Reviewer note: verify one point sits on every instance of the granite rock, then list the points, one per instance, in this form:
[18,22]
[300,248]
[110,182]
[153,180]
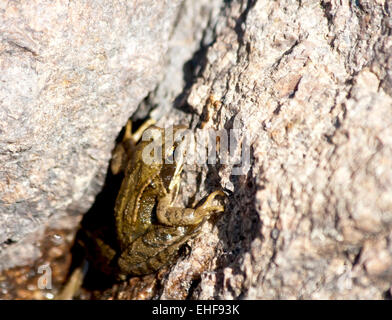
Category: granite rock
[71,75]
[307,87]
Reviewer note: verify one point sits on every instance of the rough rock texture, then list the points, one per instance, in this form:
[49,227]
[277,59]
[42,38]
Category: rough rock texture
[308,85]
[71,75]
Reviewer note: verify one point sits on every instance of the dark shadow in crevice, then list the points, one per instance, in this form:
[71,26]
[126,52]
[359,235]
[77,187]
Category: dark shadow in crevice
[193,69]
[194,287]
[242,18]
[387,295]
[239,226]
[99,220]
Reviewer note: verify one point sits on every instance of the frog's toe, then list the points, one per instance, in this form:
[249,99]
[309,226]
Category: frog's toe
[211,198]
[118,160]
[207,207]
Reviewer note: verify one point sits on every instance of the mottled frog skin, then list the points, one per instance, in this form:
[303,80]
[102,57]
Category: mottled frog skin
[150,230]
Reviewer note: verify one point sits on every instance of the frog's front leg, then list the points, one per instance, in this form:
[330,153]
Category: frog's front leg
[175,216]
[124,150]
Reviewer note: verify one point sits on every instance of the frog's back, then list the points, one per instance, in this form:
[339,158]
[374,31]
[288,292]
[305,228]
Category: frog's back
[137,178]
[156,248]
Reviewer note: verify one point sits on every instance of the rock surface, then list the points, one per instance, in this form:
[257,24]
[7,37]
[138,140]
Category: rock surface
[308,86]
[71,75]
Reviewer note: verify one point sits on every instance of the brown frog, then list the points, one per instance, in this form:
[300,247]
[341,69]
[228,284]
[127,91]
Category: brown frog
[150,230]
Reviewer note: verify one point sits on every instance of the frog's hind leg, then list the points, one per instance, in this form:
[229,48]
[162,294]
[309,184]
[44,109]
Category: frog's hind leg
[151,251]
[175,216]
[73,284]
